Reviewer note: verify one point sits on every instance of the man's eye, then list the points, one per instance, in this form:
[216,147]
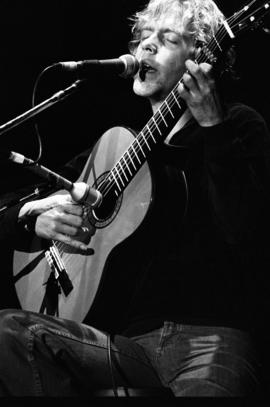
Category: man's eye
[145,34]
[144,37]
[172,40]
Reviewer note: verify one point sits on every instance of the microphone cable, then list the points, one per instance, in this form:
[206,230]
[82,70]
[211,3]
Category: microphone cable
[114,387]
[123,389]
[33,105]
[34,94]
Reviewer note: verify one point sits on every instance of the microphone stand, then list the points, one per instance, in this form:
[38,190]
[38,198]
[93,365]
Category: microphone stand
[36,193]
[42,171]
[57,97]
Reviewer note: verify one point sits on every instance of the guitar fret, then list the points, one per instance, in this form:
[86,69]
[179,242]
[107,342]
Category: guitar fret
[175,98]
[169,109]
[151,133]
[149,148]
[155,123]
[140,147]
[163,118]
[123,168]
[130,158]
[136,155]
[118,174]
[123,158]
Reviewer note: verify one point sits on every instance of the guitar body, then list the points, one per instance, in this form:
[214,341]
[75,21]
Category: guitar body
[31,267]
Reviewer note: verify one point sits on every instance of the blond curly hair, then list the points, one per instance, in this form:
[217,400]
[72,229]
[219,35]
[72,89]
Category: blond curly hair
[198,19]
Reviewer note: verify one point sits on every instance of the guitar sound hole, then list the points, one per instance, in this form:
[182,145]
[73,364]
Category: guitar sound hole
[107,211]
[110,204]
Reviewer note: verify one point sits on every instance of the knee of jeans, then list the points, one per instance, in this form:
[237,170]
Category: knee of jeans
[8,326]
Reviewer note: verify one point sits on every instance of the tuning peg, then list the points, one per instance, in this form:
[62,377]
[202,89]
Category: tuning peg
[266,30]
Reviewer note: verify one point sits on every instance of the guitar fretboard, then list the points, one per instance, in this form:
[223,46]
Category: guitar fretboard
[152,134]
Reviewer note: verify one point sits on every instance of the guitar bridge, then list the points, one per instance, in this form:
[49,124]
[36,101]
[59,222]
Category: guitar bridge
[57,266]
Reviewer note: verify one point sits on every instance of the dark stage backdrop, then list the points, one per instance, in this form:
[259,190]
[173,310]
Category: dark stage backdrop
[37,33]
[34,34]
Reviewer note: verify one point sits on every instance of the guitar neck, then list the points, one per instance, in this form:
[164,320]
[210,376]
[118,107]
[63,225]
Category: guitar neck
[153,133]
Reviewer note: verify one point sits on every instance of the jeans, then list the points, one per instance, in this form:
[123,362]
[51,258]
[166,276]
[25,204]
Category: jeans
[46,356]
[197,361]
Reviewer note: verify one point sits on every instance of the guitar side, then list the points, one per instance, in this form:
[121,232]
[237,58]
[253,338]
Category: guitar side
[31,269]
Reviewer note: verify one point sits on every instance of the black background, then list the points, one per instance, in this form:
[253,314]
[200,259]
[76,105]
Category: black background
[34,34]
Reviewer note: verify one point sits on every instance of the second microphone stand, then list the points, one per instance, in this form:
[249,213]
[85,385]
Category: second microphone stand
[33,166]
[57,97]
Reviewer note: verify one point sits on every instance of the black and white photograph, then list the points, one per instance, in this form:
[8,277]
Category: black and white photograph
[135,201]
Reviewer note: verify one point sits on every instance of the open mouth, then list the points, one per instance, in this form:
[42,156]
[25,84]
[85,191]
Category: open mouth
[145,68]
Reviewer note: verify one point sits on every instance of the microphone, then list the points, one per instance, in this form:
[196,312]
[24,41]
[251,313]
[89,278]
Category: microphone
[79,191]
[126,66]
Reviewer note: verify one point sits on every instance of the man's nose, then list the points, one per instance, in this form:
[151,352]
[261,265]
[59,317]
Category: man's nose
[150,44]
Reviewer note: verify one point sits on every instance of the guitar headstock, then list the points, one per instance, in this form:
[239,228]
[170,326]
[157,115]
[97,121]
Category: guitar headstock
[250,17]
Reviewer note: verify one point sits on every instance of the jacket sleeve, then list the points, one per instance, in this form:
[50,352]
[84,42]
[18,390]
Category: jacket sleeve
[18,234]
[12,232]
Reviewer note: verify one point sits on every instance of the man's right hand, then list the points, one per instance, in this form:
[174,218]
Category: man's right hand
[58,218]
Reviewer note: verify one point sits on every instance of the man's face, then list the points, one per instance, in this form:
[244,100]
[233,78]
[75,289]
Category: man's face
[163,51]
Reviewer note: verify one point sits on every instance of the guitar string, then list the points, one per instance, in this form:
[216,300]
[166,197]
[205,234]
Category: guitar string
[146,133]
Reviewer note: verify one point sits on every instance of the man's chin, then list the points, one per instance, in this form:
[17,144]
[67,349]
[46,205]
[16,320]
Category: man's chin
[144,89]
